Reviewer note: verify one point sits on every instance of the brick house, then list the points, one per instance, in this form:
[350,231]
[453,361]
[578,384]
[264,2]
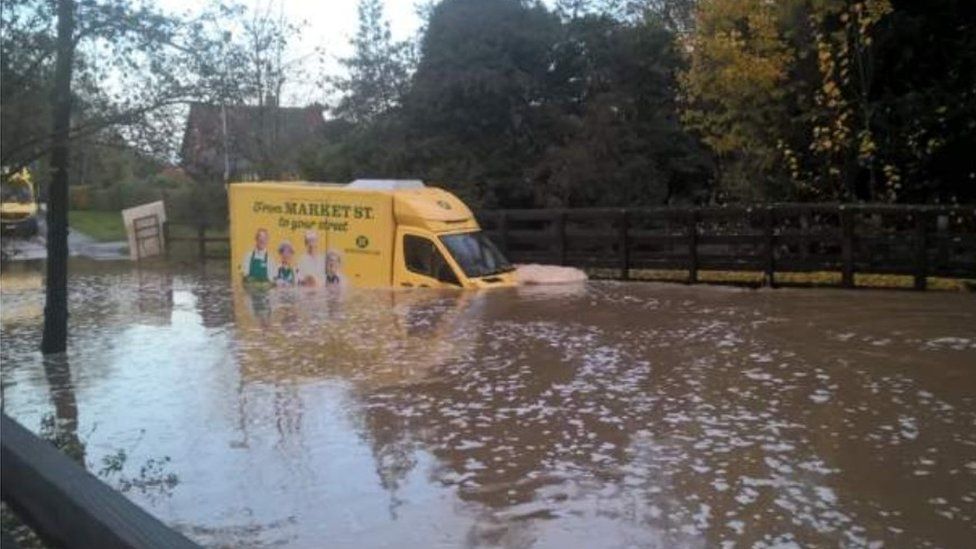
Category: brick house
[246,143]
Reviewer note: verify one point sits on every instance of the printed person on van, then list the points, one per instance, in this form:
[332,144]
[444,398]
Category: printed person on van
[257,265]
[332,265]
[286,274]
[312,266]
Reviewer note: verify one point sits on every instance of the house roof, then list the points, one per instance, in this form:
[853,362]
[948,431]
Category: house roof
[258,138]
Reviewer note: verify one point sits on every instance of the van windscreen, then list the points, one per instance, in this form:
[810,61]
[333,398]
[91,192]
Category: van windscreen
[16,193]
[476,254]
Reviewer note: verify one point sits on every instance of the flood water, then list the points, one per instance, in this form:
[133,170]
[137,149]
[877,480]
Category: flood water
[600,415]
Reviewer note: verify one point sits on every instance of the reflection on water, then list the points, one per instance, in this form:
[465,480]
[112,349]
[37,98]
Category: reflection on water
[599,415]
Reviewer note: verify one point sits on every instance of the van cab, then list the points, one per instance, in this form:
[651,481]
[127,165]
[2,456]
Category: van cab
[18,205]
[398,233]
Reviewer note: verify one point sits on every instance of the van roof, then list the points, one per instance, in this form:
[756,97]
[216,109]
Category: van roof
[357,185]
[386,184]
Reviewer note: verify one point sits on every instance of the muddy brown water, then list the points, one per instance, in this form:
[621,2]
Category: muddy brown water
[598,415]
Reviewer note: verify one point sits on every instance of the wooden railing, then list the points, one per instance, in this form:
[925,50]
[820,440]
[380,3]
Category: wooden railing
[920,241]
[200,241]
[66,505]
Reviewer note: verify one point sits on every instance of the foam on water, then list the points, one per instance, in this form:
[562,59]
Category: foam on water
[538,275]
[602,416]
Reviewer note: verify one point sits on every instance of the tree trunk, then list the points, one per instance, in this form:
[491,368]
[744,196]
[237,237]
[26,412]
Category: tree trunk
[55,337]
[62,391]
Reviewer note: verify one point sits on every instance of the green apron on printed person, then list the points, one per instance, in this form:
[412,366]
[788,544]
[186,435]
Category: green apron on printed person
[257,269]
[286,275]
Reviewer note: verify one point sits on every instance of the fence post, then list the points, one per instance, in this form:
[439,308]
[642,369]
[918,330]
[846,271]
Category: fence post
[693,217]
[201,243]
[624,244]
[166,239]
[769,250]
[942,232]
[503,231]
[921,248]
[804,235]
[847,246]
[559,226]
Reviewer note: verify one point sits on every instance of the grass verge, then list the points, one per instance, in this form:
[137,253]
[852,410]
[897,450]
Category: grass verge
[818,278]
[102,226]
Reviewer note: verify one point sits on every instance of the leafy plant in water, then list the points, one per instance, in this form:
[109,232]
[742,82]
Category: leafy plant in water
[153,475]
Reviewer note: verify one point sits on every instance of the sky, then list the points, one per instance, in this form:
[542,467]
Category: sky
[329,24]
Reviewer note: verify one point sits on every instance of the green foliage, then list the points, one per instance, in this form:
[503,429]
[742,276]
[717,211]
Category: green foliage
[613,120]
[511,106]
[186,201]
[810,100]
[134,68]
[510,103]
[378,69]
[923,102]
[478,96]
[836,99]
[198,204]
[62,437]
[152,478]
[741,95]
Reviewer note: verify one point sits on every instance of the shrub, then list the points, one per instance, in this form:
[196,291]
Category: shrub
[187,202]
[119,196]
[196,203]
[80,197]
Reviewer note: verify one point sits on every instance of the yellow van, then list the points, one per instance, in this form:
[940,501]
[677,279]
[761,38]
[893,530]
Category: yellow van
[18,206]
[369,233]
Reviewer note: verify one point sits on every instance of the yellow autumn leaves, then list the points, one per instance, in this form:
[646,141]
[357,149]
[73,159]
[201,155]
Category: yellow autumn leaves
[781,87]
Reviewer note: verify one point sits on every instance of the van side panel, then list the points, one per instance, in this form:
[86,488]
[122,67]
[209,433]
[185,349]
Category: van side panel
[366,246]
[355,226]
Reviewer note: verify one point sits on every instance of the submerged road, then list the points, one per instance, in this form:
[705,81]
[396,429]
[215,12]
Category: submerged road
[595,415]
[17,248]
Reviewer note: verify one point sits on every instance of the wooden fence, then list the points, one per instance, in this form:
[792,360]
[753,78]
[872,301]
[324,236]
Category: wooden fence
[66,505]
[200,241]
[920,241]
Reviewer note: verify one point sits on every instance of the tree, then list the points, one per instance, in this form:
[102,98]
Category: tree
[616,136]
[843,144]
[477,95]
[261,80]
[511,106]
[155,62]
[133,68]
[923,102]
[676,16]
[378,70]
[834,100]
[55,337]
[740,95]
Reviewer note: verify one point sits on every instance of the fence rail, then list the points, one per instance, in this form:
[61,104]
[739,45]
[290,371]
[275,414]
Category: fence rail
[919,241]
[66,505]
[199,240]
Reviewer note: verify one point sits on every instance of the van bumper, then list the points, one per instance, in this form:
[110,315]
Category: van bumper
[501,280]
[19,227]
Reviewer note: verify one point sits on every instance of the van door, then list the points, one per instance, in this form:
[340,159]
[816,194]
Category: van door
[419,263]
